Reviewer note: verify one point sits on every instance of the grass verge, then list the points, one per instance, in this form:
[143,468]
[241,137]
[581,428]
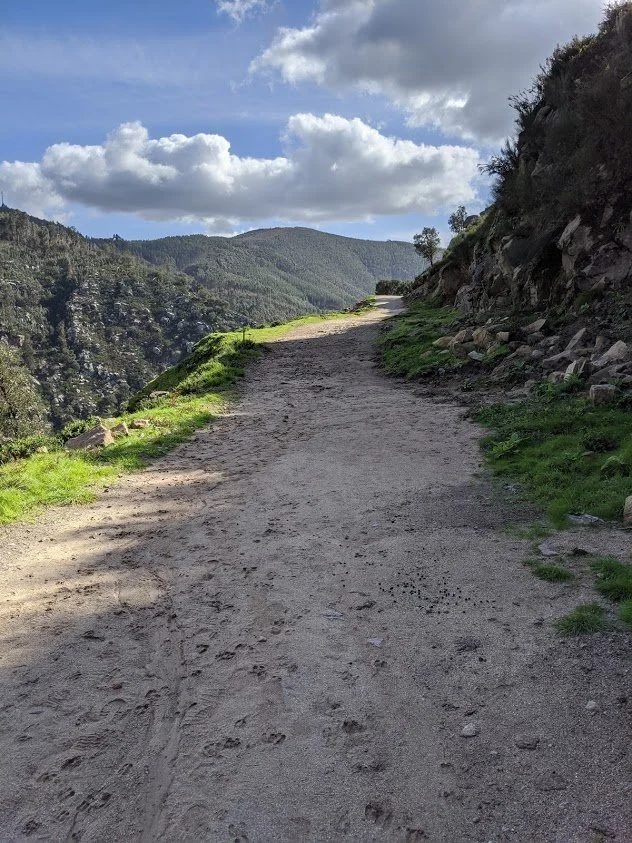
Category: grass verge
[194,393]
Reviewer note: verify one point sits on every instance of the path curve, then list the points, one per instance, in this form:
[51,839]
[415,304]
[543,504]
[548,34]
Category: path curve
[278,633]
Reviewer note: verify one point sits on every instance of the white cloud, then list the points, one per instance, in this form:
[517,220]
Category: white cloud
[239,9]
[451,64]
[25,187]
[333,169]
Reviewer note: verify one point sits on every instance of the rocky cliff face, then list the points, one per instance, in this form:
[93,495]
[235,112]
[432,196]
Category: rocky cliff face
[558,238]
[93,325]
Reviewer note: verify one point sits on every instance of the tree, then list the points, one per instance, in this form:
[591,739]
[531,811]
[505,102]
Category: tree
[21,408]
[428,244]
[456,221]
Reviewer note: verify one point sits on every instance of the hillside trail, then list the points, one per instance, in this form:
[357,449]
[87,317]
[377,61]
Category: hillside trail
[278,633]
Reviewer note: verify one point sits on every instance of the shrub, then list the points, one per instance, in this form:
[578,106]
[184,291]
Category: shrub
[77,427]
[614,578]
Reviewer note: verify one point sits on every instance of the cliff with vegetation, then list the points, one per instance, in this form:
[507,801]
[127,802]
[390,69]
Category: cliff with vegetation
[558,236]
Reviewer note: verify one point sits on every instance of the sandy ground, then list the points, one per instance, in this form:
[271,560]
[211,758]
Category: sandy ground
[278,633]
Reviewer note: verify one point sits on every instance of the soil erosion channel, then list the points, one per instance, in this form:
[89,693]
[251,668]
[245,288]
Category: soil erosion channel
[279,632]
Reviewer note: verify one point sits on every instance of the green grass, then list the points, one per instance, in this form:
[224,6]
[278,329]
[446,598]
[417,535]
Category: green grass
[556,445]
[549,573]
[406,347]
[584,620]
[625,612]
[614,578]
[197,388]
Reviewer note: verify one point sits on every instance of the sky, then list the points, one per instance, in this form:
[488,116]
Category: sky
[368,118]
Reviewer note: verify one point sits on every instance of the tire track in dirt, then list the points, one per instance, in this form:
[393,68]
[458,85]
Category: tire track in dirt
[278,632]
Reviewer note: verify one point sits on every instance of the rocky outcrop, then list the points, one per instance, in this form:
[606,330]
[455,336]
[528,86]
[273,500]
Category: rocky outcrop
[97,437]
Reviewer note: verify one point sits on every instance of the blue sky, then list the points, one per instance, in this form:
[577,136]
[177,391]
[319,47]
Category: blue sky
[363,117]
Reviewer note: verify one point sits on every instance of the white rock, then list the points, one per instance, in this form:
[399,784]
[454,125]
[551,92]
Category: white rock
[470,730]
[591,706]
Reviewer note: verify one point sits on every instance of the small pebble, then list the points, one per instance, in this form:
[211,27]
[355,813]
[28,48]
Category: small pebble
[591,706]
[470,730]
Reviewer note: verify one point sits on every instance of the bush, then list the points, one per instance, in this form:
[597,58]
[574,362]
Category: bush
[392,288]
[18,449]
[21,409]
[583,620]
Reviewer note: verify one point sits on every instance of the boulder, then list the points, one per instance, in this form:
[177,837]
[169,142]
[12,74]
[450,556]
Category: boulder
[627,511]
[576,368]
[503,336]
[476,356]
[483,338]
[617,353]
[464,335]
[603,393]
[120,430]
[139,424]
[556,377]
[158,393]
[442,342]
[97,437]
[554,361]
[534,327]
[577,339]
[524,351]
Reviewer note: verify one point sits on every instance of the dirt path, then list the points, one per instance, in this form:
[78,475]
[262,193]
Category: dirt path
[278,633]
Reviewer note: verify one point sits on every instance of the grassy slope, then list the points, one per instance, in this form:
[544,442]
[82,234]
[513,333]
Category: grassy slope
[197,392]
[570,457]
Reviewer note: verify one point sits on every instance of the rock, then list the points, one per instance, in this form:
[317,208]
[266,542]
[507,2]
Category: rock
[158,393]
[469,221]
[41,450]
[551,781]
[534,327]
[470,730]
[584,520]
[97,437]
[577,339]
[524,351]
[592,707]
[120,430]
[603,393]
[576,368]
[627,511]
[546,550]
[527,741]
[503,336]
[556,377]
[139,424]
[442,342]
[554,361]
[483,338]
[476,356]
[466,335]
[617,353]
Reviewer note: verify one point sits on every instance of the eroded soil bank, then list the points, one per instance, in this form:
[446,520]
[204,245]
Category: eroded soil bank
[278,633]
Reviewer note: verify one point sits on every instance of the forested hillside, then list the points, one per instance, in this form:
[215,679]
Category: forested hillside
[281,273]
[92,324]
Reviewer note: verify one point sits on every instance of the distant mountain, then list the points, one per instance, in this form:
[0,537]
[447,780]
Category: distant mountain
[93,325]
[94,320]
[278,273]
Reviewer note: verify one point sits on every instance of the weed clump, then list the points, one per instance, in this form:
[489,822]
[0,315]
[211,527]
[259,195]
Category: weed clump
[625,612]
[550,573]
[614,578]
[584,620]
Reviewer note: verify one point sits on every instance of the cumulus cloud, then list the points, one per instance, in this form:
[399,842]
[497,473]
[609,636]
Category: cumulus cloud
[450,64]
[239,9]
[333,169]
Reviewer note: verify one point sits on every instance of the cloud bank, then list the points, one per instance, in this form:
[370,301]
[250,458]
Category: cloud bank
[333,169]
[450,64]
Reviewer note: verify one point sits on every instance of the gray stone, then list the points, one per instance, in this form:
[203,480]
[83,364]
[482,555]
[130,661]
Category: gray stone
[97,437]
[617,353]
[602,393]
[476,356]
[442,342]
[534,327]
[470,730]
[120,430]
[139,424]
[576,368]
[577,339]
[527,741]
[627,511]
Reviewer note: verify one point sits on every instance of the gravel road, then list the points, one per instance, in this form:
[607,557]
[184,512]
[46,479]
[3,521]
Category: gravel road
[280,632]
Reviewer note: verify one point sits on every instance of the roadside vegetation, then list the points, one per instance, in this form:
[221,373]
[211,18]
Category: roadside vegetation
[37,470]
